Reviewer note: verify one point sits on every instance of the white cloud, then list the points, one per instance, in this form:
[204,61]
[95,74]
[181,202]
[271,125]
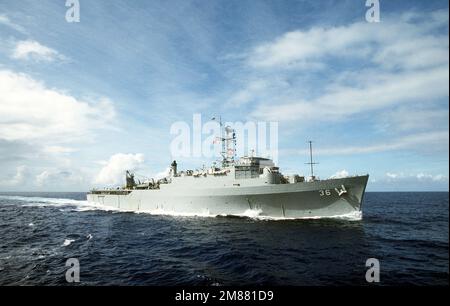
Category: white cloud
[381,91]
[297,48]
[437,139]
[58,149]
[51,178]
[31,111]
[18,179]
[396,42]
[113,173]
[393,175]
[256,90]
[247,94]
[427,177]
[410,180]
[340,174]
[42,178]
[407,118]
[420,177]
[162,174]
[397,62]
[4,19]
[30,49]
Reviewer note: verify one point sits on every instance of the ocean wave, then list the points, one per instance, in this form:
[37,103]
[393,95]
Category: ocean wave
[254,214]
[226,250]
[75,205]
[67,242]
[42,201]
[162,212]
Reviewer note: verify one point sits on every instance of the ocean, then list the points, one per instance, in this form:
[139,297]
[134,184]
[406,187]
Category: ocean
[407,232]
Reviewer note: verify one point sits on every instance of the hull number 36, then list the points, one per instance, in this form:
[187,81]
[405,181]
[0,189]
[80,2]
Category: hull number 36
[328,192]
[325,192]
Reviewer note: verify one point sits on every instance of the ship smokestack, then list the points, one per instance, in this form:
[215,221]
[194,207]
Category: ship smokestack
[130,183]
[173,168]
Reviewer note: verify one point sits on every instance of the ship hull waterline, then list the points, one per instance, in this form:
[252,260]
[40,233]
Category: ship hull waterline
[316,199]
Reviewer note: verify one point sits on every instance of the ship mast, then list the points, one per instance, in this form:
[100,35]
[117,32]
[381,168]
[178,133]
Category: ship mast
[228,143]
[222,140]
[311,163]
[230,140]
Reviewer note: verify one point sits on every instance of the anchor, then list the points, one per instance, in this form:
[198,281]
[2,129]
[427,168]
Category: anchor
[341,191]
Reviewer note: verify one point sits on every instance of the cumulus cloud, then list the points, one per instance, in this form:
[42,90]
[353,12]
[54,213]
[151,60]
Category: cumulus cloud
[421,177]
[436,178]
[42,125]
[18,179]
[414,47]
[400,61]
[43,177]
[113,172]
[410,181]
[297,48]
[29,110]
[392,175]
[340,174]
[30,49]
[162,174]
[51,178]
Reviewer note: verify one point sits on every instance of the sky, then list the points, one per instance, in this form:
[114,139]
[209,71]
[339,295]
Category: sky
[82,101]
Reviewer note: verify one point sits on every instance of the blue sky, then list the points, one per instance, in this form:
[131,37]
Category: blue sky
[81,101]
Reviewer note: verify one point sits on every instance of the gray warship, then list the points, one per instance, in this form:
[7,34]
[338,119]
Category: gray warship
[249,186]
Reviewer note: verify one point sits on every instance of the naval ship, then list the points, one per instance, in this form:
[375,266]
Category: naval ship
[248,186]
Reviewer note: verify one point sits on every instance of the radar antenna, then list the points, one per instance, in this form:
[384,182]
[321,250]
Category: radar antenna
[228,143]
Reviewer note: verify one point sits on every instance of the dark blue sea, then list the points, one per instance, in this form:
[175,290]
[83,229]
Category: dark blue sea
[406,232]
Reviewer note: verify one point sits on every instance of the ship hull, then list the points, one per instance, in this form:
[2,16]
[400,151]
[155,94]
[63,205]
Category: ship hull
[325,198]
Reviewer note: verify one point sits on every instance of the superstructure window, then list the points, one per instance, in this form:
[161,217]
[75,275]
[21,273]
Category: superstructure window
[246,172]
